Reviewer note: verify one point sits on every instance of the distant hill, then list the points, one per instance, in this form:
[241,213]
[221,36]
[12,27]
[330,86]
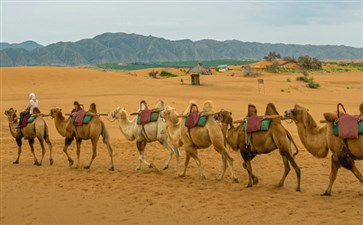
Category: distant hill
[27,45]
[127,48]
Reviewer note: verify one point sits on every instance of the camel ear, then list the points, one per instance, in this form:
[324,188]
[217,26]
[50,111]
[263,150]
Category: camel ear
[60,110]
[330,117]
[230,113]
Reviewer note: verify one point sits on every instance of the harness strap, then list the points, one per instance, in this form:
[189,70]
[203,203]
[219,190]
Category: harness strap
[144,133]
[341,105]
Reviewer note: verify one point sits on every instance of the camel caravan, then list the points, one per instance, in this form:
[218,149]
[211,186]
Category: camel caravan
[192,130]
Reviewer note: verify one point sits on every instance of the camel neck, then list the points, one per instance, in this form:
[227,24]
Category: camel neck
[12,127]
[127,127]
[60,124]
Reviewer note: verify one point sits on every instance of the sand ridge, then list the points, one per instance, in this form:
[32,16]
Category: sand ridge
[60,195]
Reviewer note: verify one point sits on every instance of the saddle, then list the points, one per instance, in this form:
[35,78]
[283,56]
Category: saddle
[254,123]
[80,118]
[195,118]
[28,118]
[146,115]
[347,126]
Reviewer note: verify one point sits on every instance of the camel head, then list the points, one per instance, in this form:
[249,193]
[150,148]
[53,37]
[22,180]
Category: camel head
[55,112]
[224,116]
[160,104]
[170,114]
[119,113]
[208,106]
[11,114]
[297,114]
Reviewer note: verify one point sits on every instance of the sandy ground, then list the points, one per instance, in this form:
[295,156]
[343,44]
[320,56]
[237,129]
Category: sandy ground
[60,195]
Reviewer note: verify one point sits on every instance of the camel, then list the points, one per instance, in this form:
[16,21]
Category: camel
[262,142]
[203,137]
[92,131]
[318,140]
[151,132]
[37,129]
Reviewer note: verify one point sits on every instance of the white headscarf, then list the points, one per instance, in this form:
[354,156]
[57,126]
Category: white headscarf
[32,97]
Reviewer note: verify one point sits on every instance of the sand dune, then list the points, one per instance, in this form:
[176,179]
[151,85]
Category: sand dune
[60,195]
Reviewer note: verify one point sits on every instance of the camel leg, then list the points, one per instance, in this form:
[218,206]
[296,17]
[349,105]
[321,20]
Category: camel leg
[186,163]
[335,165]
[296,168]
[31,144]
[226,158]
[249,170]
[67,143]
[141,147]
[78,142]
[286,172]
[19,143]
[356,172]
[194,154]
[109,149]
[177,157]
[43,150]
[50,150]
[94,152]
[254,178]
[224,167]
[171,151]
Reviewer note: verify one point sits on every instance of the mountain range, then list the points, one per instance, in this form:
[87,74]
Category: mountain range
[130,48]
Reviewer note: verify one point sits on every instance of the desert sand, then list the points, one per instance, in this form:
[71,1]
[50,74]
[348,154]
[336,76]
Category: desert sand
[61,195]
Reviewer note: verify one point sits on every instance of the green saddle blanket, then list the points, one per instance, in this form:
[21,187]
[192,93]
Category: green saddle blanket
[31,119]
[202,121]
[154,117]
[265,125]
[86,119]
[336,128]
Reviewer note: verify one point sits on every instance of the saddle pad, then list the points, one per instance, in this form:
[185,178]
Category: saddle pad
[24,122]
[254,123]
[348,126]
[336,128]
[153,118]
[31,119]
[265,125]
[81,118]
[195,119]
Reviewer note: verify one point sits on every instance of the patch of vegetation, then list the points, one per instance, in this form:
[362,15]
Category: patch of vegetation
[248,71]
[312,84]
[167,74]
[272,56]
[288,80]
[307,62]
[301,78]
[274,68]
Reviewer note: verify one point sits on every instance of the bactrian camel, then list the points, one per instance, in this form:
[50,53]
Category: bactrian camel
[203,137]
[93,130]
[262,142]
[37,129]
[319,139]
[153,131]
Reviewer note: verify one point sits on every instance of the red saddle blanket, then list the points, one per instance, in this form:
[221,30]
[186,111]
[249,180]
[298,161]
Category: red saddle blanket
[78,118]
[145,116]
[254,123]
[348,126]
[24,122]
[192,119]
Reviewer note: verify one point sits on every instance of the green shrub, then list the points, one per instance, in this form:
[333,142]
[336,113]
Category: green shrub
[307,62]
[167,74]
[288,80]
[305,79]
[312,84]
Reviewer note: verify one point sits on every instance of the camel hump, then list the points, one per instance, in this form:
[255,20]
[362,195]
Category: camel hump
[208,106]
[36,110]
[92,108]
[271,109]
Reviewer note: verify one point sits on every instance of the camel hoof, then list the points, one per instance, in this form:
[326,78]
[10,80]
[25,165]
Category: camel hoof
[86,167]
[16,162]
[37,164]
[165,167]
[51,161]
[70,162]
[298,189]
[154,167]
[255,180]
[182,175]
[326,194]
[249,186]
[111,169]
[235,180]
[138,168]
[280,185]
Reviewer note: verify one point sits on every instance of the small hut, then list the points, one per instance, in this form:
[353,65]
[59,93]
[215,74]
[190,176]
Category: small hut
[196,71]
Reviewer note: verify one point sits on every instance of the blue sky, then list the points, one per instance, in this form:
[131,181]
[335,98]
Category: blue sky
[321,22]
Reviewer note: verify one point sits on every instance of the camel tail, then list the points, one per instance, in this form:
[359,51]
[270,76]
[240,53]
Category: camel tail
[105,135]
[293,142]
